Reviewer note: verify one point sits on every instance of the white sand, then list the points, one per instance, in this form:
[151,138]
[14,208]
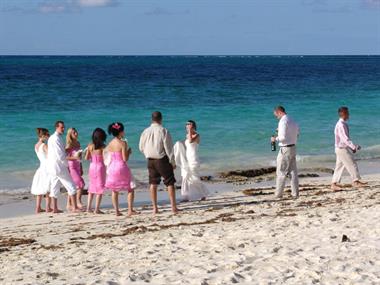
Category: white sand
[231,238]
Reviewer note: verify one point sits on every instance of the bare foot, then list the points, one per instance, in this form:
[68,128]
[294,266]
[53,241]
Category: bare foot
[80,205]
[118,214]
[89,210]
[359,184]
[39,210]
[132,213]
[335,187]
[76,210]
[176,211]
[57,211]
[98,212]
[49,210]
[155,211]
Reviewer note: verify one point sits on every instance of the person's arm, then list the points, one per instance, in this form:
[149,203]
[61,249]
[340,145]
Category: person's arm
[193,138]
[168,146]
[58,149]
[88,152]
[69,156]
[281,131]
[125,151]
[142,142]
[343,135]
[45,148]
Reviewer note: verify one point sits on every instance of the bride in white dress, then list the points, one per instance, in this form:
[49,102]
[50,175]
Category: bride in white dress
[41,179]
[186,157]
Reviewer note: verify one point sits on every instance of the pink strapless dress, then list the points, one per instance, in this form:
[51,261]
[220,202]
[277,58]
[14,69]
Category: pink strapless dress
[74,169]
[97,174]
[118,174]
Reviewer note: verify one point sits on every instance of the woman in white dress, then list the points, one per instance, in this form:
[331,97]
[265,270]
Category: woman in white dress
[186,157]
[41,179]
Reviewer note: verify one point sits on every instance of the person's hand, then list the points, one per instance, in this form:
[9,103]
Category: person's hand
[174,166]
[272,139]
[130,150]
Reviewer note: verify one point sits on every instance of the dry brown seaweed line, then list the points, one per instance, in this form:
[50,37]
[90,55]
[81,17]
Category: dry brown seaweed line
[5,242]
[225,217]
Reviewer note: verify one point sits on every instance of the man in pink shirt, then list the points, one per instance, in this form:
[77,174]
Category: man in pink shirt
[344,150]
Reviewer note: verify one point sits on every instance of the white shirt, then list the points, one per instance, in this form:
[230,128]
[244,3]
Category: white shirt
[156,142]
[56,160]
[288,131]
[342,136]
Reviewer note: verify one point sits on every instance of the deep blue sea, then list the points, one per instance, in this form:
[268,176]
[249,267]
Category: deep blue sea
[231,99]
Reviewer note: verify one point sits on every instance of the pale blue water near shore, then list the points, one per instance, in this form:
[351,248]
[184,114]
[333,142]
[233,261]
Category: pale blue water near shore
[231,98]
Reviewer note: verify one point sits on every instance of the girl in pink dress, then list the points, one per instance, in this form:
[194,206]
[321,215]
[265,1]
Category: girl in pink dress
[119,177]
[97,170]
[74,155]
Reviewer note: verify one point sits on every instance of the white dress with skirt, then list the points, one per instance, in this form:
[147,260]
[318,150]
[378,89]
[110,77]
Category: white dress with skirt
[41,179]
[186,157]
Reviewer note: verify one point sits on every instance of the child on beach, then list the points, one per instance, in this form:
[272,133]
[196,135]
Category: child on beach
[41,179]
[97,170]
[119,177]
[74,156]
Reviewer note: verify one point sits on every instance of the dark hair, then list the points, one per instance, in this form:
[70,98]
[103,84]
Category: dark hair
[99,137]
[342,109]
[57,123]
[42,132]
[193,123]
[115,128]
[280,108]
[156,117]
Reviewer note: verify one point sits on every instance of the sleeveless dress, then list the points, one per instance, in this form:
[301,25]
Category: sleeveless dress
[119,177]
[97,174]
[41,179]
[186,156]
[74,168]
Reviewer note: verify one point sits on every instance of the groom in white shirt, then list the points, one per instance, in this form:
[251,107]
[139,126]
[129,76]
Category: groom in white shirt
[58,168]
[288,132]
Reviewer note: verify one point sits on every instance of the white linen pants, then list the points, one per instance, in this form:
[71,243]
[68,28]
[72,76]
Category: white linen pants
[62,179]
[287,165]
[345,160]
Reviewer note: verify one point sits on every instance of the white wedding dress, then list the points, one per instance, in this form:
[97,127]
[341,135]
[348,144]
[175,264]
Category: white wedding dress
[41,179]
[186,157]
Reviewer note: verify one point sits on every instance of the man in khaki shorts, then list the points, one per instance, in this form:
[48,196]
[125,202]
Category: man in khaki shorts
[344,150]
[157,146]
[288,132]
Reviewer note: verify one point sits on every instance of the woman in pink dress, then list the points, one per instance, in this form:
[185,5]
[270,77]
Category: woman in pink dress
[119,177]
[74,155]
[97,170]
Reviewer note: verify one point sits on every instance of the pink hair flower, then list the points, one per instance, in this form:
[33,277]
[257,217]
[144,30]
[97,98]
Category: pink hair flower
[116,126]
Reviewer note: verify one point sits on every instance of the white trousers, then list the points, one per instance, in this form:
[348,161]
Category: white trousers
[345,160]
[287,165]
[62,179]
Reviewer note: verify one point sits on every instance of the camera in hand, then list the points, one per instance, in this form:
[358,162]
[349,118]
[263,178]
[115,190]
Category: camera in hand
[273,146]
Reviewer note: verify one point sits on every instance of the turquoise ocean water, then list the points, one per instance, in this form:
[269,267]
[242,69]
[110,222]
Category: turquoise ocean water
[231,98]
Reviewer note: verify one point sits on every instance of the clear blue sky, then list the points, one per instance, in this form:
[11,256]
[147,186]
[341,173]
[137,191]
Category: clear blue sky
[135,27]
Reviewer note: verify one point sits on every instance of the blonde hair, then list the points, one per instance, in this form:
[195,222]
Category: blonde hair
[69,139]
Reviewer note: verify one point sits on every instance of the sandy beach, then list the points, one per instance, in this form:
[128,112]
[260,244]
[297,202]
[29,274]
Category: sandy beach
[244,236]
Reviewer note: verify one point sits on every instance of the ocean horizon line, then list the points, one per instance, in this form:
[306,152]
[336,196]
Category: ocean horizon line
[189,55]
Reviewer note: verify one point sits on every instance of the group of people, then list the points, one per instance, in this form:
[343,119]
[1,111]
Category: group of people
[60,165]
[288,132]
